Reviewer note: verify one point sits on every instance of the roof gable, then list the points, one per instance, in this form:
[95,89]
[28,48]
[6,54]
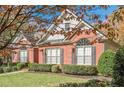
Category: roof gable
[19,40]
[67,17]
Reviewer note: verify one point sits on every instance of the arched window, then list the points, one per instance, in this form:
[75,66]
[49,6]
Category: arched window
[83,41]
[85,53]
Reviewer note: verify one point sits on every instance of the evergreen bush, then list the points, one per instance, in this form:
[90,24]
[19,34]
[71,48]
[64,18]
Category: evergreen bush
[118,68]
[105,65]
[56,69]
[40,67]
[79,69]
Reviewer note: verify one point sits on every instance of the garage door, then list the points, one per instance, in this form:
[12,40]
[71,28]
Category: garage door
[86,55]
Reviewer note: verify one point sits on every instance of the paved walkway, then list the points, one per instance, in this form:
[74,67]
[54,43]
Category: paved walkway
[23,70]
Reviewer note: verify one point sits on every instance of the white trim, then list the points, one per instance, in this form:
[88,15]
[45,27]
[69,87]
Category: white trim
[50,27]
[19,37]
[83,22]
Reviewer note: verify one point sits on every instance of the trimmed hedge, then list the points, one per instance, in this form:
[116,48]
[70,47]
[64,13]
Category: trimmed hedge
[105,65]
[9,63]
[40,67]
[14,64]
[1,69]
[56,69]
[90,83]
[79,70]
[21,65]
[7,69]
[14,68]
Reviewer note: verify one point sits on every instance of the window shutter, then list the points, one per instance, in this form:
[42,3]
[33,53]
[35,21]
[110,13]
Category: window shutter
[18,55]
[44,56]
[93,55]
[74,56]
[61,55]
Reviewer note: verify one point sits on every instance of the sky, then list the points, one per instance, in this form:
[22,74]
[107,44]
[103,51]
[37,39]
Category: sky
[107,12]
[101,12]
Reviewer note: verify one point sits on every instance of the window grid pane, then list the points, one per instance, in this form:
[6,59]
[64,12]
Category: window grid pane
[88,51]
[53,56]
[84,55]
[23,56]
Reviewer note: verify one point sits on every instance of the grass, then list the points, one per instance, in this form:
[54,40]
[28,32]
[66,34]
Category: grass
[36,80]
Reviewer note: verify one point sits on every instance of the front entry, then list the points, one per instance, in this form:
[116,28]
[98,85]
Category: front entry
[85,55]
[23,56]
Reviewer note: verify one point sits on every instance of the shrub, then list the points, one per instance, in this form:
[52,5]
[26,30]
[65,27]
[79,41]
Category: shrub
[9,64]
[14,68]
[118,68]
[79,70]
[4,65]
[1,61]
[14,64]
[7,69]
[1,69]
[97,83]
[21,65]
[105,65]
[40,67]
[56,69]
[90,83]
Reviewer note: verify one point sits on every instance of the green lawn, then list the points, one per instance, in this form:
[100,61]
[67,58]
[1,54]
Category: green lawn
[36,80]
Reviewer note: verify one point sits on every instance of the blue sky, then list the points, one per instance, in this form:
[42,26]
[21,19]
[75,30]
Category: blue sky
[107,12]
[98,11]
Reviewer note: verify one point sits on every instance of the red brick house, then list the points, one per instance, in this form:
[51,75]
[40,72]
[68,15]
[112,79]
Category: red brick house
[82,48]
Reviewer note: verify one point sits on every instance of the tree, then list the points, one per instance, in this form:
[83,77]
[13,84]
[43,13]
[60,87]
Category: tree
[31,18]
[118,69]
[114,27]
[21,18]
[14,19]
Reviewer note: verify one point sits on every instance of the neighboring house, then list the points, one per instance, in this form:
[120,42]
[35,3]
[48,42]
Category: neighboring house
[83,49]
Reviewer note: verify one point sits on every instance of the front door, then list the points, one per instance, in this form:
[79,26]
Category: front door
[23,55]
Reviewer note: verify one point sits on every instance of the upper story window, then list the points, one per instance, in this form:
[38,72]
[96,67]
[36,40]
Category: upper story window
[67,26]
[83,41]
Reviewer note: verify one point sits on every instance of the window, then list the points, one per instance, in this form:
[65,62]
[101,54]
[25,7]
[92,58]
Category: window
[83,41]
[23,55]
[88,55]
[67,26]
[53,56]
[84,55]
